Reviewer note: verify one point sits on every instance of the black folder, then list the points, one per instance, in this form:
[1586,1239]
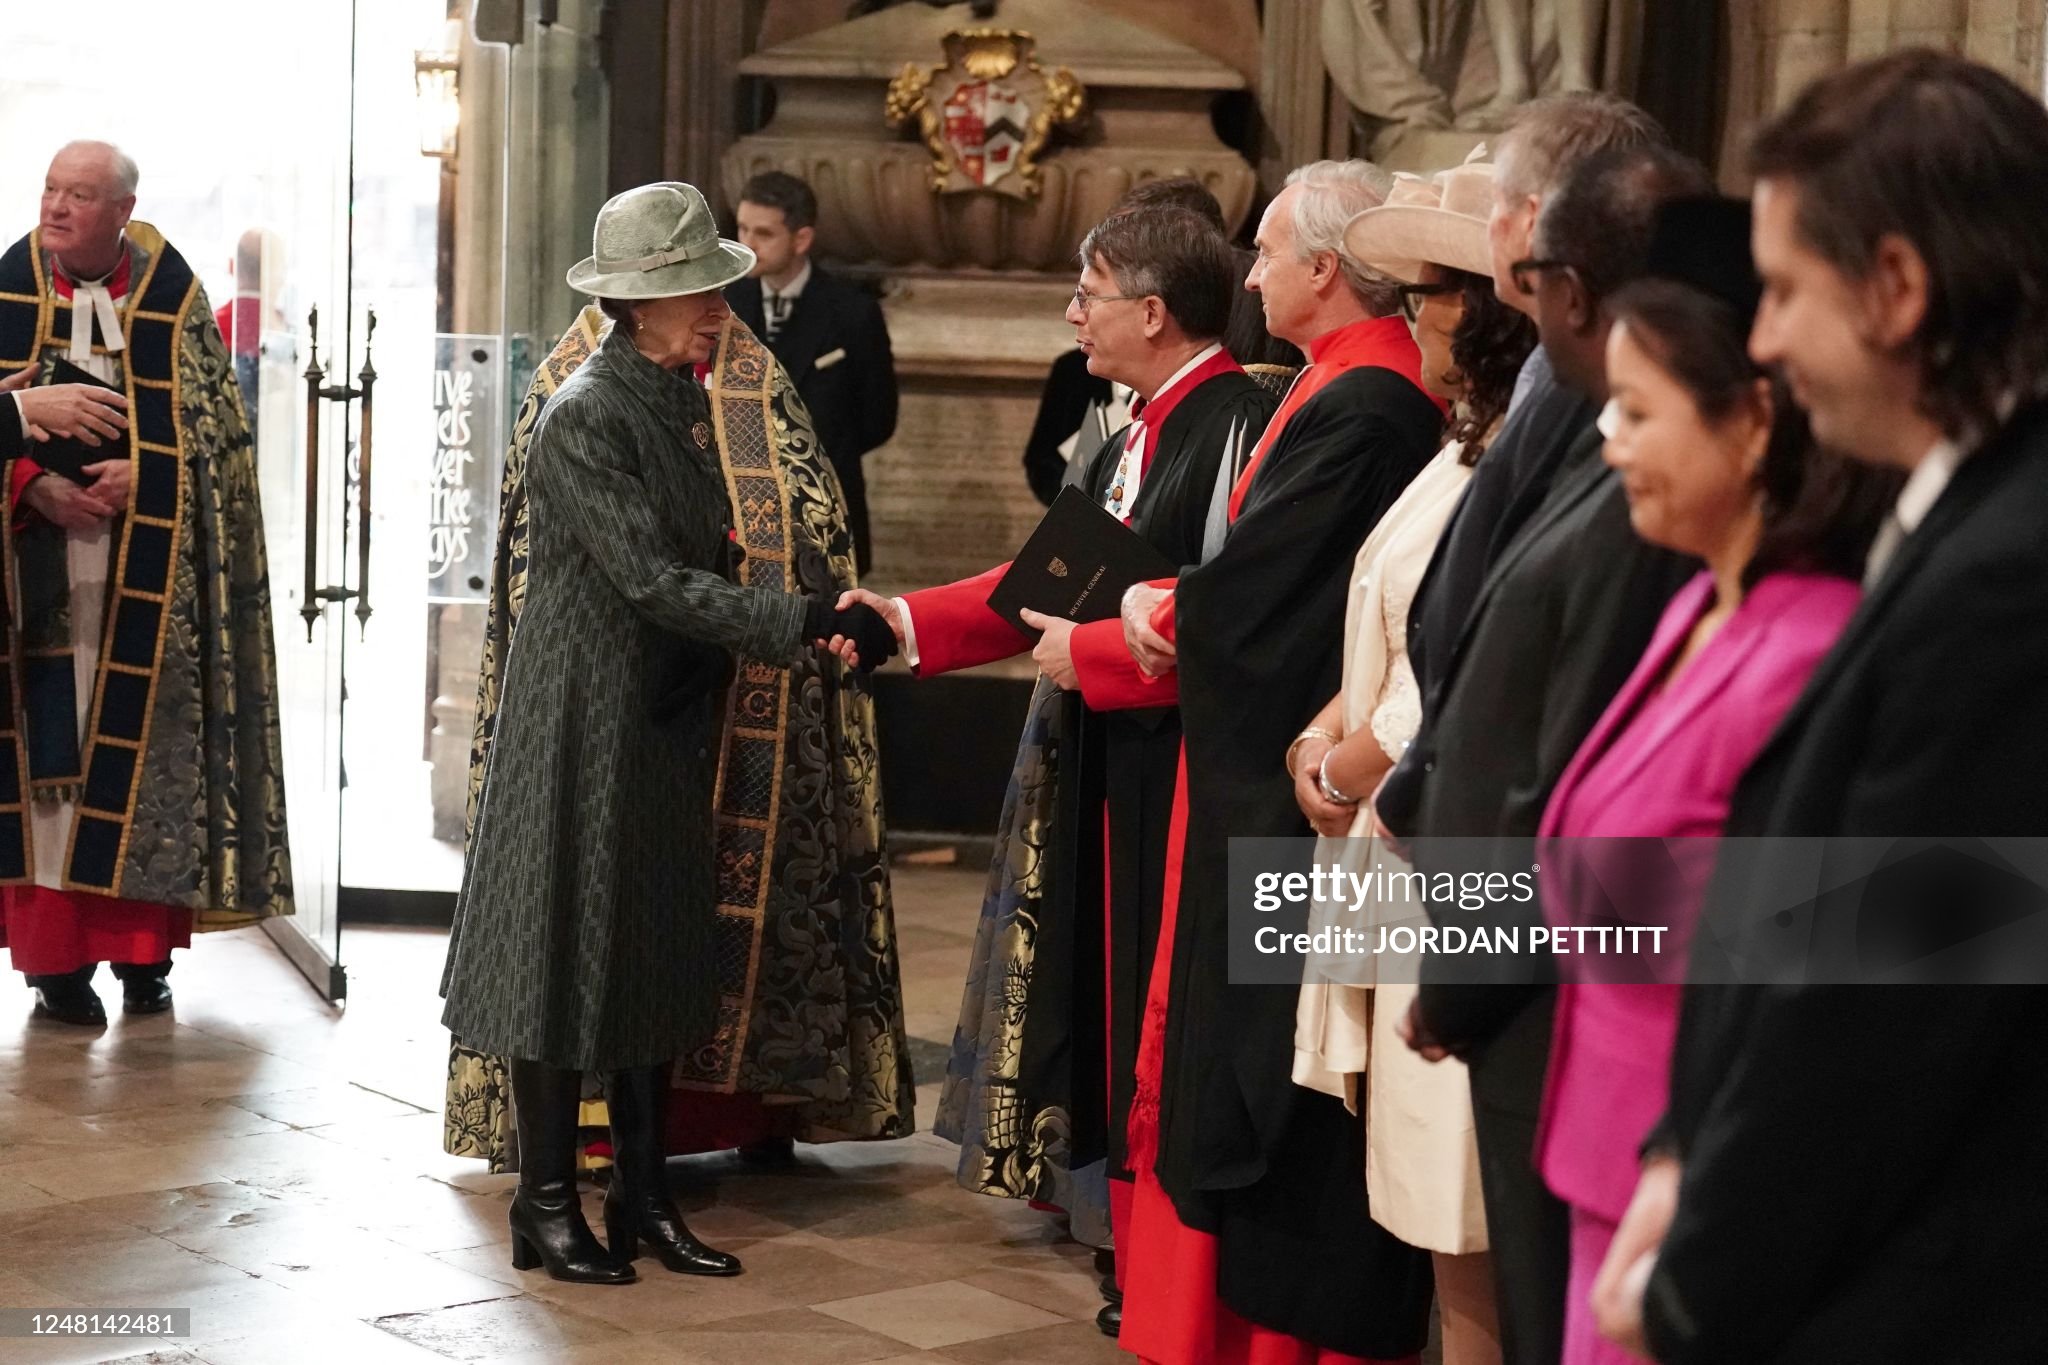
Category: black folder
[67,455]
[1077,564]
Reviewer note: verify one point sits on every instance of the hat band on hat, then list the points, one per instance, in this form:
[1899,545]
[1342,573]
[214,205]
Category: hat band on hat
[666,256]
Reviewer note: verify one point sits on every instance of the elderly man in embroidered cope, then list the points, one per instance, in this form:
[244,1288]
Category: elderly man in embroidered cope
[141,782]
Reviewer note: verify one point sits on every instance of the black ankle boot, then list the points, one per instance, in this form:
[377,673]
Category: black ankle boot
[69,998]
[547,1216]
[637,1206]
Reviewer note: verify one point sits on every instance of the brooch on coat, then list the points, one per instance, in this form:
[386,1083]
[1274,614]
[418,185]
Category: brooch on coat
[701,434]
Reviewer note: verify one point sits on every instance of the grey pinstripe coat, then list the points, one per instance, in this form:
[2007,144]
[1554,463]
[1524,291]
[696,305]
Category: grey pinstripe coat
[583,934]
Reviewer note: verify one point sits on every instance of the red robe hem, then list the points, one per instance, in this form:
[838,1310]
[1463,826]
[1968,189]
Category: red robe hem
[50,933]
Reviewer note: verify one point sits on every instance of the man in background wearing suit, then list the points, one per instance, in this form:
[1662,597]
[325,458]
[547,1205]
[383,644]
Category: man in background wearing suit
[1844,1171]
[827,333]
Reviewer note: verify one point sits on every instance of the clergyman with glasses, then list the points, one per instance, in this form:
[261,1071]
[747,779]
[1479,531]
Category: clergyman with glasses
[1089,790]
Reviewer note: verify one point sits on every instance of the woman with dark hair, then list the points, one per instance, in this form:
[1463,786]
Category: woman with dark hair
[1421,1166]
[1718,464]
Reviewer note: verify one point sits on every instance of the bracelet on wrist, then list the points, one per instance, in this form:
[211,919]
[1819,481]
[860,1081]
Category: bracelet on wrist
[1313,732]
[1330,793]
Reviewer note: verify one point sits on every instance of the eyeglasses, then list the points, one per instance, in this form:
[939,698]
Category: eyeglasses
[1083,300]
[1520,271]
[1412,296]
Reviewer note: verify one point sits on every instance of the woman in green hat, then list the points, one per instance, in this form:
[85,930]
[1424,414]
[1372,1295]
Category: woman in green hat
[583,937]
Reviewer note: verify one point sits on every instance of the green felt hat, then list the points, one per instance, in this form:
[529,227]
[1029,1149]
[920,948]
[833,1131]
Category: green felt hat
[656,242]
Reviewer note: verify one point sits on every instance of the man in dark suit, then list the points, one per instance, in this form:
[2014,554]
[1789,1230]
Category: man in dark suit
[1560,619]
[1852,1172]
[828,334]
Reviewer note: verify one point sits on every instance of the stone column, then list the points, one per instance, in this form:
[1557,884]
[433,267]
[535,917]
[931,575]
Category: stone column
[1777,47]
[1294,92]
[705,45]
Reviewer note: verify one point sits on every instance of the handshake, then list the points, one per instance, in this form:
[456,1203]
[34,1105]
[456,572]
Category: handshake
[863,630]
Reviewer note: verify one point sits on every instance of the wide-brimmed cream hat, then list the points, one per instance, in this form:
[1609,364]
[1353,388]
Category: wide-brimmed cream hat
[656,242]
[1439,221]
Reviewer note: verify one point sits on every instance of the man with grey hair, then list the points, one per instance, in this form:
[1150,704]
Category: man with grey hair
[142,739]
[1243,1176]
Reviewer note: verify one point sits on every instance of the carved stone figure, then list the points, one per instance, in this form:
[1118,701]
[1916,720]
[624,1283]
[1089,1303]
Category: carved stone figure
[1438,64]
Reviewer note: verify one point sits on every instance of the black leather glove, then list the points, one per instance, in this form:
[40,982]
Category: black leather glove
[872,639]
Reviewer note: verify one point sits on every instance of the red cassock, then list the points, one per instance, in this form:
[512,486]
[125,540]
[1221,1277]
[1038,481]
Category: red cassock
[48,932]
[953,628]
[1173,1314]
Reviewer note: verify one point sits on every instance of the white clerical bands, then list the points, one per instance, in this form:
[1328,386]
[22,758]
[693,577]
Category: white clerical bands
[87,302]
[665,256]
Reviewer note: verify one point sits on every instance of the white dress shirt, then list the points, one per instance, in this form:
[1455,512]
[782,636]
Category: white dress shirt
[1922,490]
[777,303]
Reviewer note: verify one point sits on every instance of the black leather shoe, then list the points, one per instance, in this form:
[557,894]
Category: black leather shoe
[547,1214]
[637,1206]
[774,1154]
[70,998]
[1110,1293]
[144,988]
[1110,1321]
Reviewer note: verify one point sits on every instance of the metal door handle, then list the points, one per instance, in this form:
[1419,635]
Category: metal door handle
[319,391]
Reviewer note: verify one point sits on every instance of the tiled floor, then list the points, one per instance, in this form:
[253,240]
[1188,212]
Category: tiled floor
[275,1166]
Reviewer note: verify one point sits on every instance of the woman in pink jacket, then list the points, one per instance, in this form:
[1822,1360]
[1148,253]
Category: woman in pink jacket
[1717,463]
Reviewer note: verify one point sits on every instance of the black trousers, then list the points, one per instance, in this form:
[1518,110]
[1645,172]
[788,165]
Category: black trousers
[1528,1228]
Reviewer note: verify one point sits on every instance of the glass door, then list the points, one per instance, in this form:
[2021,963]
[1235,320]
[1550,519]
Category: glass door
[288,192]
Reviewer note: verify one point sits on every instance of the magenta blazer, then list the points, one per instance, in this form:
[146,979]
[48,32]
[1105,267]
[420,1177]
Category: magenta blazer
[1662,762]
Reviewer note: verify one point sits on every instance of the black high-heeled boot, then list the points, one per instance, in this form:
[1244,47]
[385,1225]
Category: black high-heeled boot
[547,1216]
[637,1206]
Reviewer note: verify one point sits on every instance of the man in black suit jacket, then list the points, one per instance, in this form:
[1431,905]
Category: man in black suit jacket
[1561,618]
[1856,1169]
[828,334]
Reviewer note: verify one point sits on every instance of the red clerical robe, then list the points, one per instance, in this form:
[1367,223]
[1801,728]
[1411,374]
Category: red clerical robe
[1322,473]
[48,932]
[1097,908]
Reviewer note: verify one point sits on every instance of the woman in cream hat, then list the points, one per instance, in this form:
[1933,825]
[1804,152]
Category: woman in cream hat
[1422,1167]
[583,937]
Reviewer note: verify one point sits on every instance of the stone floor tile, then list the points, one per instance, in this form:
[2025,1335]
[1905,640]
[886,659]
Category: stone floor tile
[1071,1291]
[799,1273]
[17,1194]
[336,1102]
[1070,1343]
[790,1336]
[320,1340]
[661,1301]
[496,1328]
[942,1314]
